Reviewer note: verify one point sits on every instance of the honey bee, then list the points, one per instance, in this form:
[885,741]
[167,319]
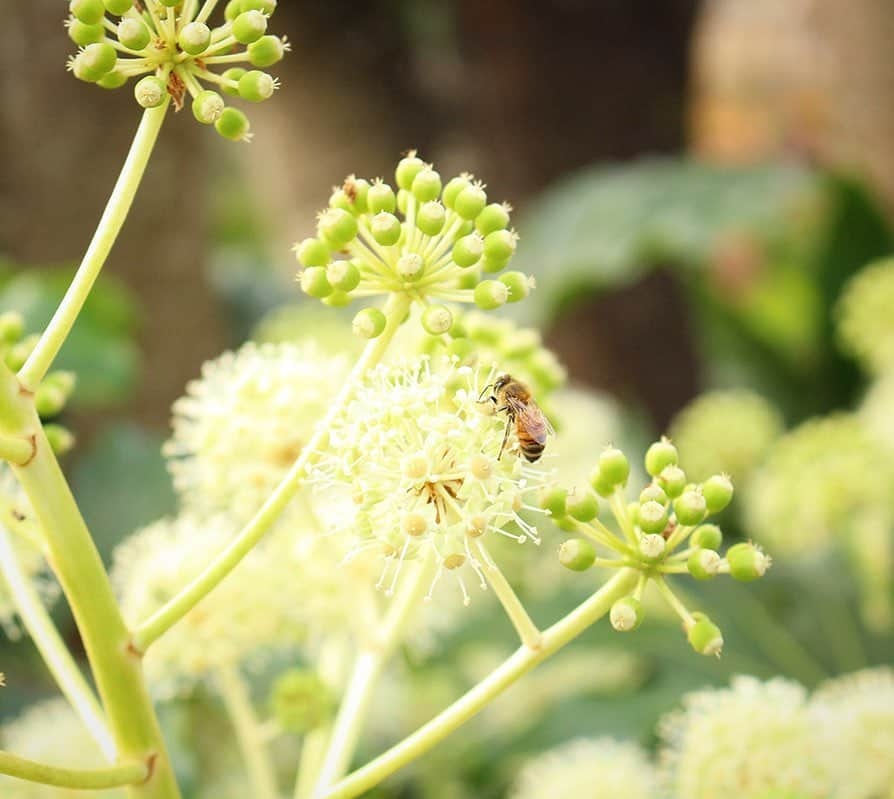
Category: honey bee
[512,397]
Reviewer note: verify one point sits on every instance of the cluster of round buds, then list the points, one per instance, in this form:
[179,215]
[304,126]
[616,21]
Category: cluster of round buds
[664,531]
[432,241]
[171,45]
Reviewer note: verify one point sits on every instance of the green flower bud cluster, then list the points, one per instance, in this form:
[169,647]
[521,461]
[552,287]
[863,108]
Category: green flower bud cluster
[865,324]
[437,242]
[301,701]
[664,531]
[173,48]
[53,393]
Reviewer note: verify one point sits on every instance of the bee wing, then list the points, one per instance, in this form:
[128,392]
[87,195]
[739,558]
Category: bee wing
[531,417]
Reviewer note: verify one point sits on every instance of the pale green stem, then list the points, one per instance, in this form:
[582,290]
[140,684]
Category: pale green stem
[519,664]
[248,733]
[169,614]
[52,648]
[78,779]
[619,509]
[110,224]
[205,12]
[671,598]
[524,625]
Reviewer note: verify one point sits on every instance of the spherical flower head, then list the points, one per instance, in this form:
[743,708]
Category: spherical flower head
[176,50]
[854,719]
[242,425]
[413,471]
[743,742]
[875,410]
[865,326]
[725,431]
[50,732]
[588,768]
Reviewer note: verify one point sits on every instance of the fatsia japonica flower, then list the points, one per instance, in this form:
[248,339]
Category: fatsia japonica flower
[865,326]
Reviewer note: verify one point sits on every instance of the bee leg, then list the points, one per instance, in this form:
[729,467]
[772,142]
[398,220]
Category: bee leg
[505,439]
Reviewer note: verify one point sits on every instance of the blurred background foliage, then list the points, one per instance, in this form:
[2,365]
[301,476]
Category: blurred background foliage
[691,205]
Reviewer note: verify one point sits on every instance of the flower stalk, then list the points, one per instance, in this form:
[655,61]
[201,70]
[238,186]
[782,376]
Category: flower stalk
[117,776]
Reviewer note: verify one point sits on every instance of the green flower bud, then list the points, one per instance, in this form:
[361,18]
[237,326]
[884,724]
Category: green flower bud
[452,190]
[61,439]
[705,636]
[410,266]
[703,564]
[492,265]
[232,10]
[301,701]
[264,6]
[518,283]
[601,484]
[339,199]
[426,185]
[62,379]
[233,74]
[582,505]
[118,7]
[150,92]
[266,51]
[437,319]
[577,554]
[430,218]
[653,493]
[343,275]
[337,227]
[652,517]
[96,60]
[49,399]
[337,299]
[369,323]
[660,455]
[462,348]
[718,492]
[380,197]
[314,282]
[554,500]
[249,26]
[673,480]
[652,546]
[312,252]
[134,33]
[494,217]
[403,198]
[626,614]
[385,228]
[707,536]
[16,357]
[468,250]
[82,34]
[90,12]
[500,245]
[233,125]
[614,466]
[407,168]
[356,189]
[194,38]
[746,562]
[12,326]
[112,80]
[207,106]
[490,294]
[256,86]
[690,507]
[470,202]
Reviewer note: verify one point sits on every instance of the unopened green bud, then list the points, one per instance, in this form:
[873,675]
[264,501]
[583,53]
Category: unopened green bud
[337,227]
[266,51]
[626,614]
[582,505]
[673,480]
[690,508]
[380,197]
[301,701]
[494,217]
[462,348]
[134,33]
[707,536]
[61,439]
[403,199]
[652,546]
[264,6]
[705,636]
[256,86]
[653,493]
[194,38]
[385,228]
[369,323]
[337,299]
[554,500]
[249,26]
[82,34]
[746,562]
[233,125]
[312,252]
[426,185]
[499,246]
[467,251]
[90,12]
[12,326]
[718,492]
[430,218]
[601,484]
[470,202]
[703,564]
[614,466]
[112,80]
[407,168]
[356,189]
[339,199]
[207,106]
[18,354]
[577,554]
[62,379]
[490,294]
[452,190]
[343,275]
[49,400]
[652,517]
[437,319]
[314,282]
[232,10]
[410,266]
[118,7]
[150,92]
[518,283]
[660,455]
[95,60]
[232,76]
[493,265]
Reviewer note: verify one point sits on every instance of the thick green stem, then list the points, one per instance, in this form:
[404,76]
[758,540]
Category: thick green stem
[110,224]
[79,779]
[117,668]
[52,648]
[524,659]
[169,614]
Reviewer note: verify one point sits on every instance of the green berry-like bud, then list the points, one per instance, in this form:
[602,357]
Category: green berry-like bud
[746,562]
[49,399]
[118,7]
[577,554]
[410,266]
[718,492]
[90,12]
[266,51]
[96,60]
[582,505]
[256,86]
[490,294]
[652,517]
[462,348]
[554,500]
[12,326]
[494,217]
[690,507]
[380,197]
[653,493]
[426,186]
[601,485]
[61,439]
[150,92]
[337,227]
[249,26]
[207,106]
[467,251]
[369,323]
[312,252]
[194,38]
[660,455]
[673,480]
[356,189]
[652,546]
[301,701]
[385,228]
[134,33]
[493,265]
[233,125]
[499,246]
[614,466]
[403,199]
[339,199]
[82,34]
[16,357]
[703,564]
[705,636]
[626,614]
[452,190]
[437,319]
[314,282]
[343,275]
[264,6]
[707,536]
[518,283]
[112,80]
[232,10]
[430,218]
[233,74]
[470,202]
[337,299]
[407,168]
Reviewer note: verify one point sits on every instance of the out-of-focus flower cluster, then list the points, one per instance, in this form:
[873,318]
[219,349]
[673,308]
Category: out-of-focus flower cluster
[865,325]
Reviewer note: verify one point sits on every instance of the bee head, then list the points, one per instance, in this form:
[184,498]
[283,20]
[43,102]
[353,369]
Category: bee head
[501,382]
